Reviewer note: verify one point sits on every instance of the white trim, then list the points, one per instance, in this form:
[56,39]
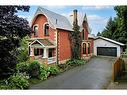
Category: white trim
[44,29]
[35,25]
[37,41]
[37,29]
[42,44]
[38,12]
[51,60]
[110,40]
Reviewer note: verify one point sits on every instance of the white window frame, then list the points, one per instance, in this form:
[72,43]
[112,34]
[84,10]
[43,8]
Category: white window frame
[44,28]
[37,29]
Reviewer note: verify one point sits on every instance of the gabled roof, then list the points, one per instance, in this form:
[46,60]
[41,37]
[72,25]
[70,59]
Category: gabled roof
[81,19]
[41,43]
[55,20]
[45,42]
[110,40]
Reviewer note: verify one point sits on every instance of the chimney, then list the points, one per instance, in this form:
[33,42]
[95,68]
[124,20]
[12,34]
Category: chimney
[75,16]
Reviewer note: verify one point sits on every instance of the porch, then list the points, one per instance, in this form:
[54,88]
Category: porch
[43,50]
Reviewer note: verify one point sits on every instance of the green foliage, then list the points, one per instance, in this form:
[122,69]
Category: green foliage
[22,51]
[75,39]
[4,84]
[110,29]
[4,87]
[34,69]
[76,62]
[44,73]
[116,28]
[54,70]
[22,67]
[63,66]
[98,34]
[18,81]
[12,30]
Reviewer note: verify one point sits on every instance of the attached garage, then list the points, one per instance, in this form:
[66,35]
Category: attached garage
[107,47]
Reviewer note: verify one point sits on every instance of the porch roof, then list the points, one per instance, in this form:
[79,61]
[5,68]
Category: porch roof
[41,43]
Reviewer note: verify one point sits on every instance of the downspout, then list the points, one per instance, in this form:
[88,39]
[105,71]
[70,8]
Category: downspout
[57,58]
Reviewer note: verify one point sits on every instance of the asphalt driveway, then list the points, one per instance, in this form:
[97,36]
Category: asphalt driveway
[96,74]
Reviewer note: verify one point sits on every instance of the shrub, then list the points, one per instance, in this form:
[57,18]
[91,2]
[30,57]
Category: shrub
[53,70]
[70,62]
[4,84]
[22,67]
[63,66]
[34,69]
[22,51]
[18,81]
[81,62]
[44,73]
[76,62]
[4,87]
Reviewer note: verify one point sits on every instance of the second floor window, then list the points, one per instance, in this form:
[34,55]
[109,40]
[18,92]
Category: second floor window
[46,29]
[83,35]
[35,30]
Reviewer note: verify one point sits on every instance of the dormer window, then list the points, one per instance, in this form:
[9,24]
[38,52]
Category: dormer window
[46,29]
[35,29]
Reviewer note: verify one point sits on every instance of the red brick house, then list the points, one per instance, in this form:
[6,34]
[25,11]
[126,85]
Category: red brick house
[50,40]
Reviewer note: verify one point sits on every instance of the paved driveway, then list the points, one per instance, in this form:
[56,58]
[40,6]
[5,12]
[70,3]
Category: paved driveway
[96,74]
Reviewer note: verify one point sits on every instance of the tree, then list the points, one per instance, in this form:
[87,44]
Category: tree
[98,34]
[121,32]
[12,30]
[75,41]
[116,29]
[109,29]
[22,51]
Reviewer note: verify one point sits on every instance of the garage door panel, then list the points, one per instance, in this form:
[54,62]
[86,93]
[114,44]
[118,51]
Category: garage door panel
[107,51]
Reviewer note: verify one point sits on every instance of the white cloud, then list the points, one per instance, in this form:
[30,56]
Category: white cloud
[96,22]
[55,7]
[95,7]
[96,18]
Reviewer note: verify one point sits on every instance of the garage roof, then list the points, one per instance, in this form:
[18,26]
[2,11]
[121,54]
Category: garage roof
[110,40]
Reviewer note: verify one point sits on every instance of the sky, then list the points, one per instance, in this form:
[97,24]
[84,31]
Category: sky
[97,15]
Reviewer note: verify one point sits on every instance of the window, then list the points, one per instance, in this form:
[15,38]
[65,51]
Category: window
[84,48]
[35,30]
[36,51]
[83,35]
[88,48]
[50,53]
[46,29]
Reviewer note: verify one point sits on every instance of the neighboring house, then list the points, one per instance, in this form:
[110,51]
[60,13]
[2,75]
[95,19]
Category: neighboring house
[107,47]
[50,40]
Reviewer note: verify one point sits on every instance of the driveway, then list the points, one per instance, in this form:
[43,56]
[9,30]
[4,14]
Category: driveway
[96,74]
